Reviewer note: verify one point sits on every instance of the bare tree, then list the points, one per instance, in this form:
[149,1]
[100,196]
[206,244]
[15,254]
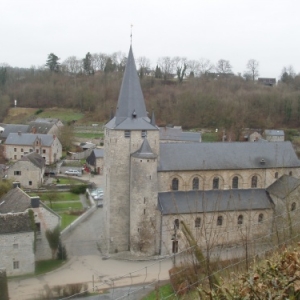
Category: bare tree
[205,66]
[180,64]
[224,66]
[99,61]
[287,74]
[252,69]
[193,68]
[166,65]
[144,64]
[72,65]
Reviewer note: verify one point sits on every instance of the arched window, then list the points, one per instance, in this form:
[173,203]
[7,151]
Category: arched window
[196,183]
[216,183]
[175,184]
[220,221]
[240,219]
[176,224]
[260,218]
[197,222]
[254,182]
[276,174]
[235,182]
[293,206]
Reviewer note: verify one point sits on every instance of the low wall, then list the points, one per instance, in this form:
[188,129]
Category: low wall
[81,218]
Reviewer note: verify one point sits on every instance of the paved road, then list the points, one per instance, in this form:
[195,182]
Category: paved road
[86,265]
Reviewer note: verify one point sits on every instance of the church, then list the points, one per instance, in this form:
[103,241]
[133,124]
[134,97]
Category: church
[217,189]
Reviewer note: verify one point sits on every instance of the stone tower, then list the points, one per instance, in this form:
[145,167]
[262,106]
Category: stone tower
[124,139]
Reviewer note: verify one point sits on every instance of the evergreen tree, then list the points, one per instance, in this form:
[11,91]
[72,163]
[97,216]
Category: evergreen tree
[52,62]
[87,64]
[3,75]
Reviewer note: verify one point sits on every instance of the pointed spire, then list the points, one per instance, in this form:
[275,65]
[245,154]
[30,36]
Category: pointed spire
[145,151]
[131,97]
[153,119]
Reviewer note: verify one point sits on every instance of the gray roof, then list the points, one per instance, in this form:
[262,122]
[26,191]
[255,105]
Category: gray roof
[131,111]
[40,127]
[228,156]
[13,128]
[12,223]
[145,151]
[282,187]
[180,202]
[274,132]
[46,120]
[176,134]
[34,158]
[29,139]
[14,201]
[98,153]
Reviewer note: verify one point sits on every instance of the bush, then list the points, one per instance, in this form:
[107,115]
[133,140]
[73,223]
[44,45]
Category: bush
[61,252]
[78,189]
[38,111]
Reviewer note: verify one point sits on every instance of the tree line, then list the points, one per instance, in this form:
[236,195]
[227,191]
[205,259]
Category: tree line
[194,94]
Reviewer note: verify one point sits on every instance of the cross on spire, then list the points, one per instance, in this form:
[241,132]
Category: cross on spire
[131,34]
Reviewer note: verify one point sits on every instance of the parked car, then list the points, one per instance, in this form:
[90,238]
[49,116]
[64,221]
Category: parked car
[96,192]
[98,196]
[73,172]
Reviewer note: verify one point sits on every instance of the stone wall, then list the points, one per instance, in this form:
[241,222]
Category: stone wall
[16,253]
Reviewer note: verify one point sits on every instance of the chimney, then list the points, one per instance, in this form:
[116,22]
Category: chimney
[35,202]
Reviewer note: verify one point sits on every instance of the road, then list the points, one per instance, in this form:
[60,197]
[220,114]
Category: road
[85,265]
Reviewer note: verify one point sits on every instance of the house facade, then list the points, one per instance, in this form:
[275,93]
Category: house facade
[19,144]
[95,160]
[16,201]
[29,170]
[273,135]
[16,244]
[147,180]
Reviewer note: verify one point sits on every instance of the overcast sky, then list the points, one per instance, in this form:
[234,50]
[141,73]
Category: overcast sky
[235,30]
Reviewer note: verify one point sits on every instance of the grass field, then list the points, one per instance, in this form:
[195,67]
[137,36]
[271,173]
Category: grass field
[89,135]
[45,266]
[21,115]
[58,205]
[61,196]
[162,292]
[210,137]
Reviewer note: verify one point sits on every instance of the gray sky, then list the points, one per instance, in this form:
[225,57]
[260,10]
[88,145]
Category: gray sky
[235,30]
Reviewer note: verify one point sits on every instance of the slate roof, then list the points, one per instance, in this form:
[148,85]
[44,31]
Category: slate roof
[228,156]
[14,128]
[131,111]
[98,153]
[180,202]
[15,223]
[176,134]
[274,132]
[35,159]
[39,127]
[27,139]
[282,187]
[14,201]
[145,151]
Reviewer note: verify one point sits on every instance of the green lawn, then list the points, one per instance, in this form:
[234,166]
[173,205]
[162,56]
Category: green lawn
[61,196]
[89,135]
[68,180]
[162,292]
[63,114]
[58,206]
[210,137]
[66,220]
[45,266]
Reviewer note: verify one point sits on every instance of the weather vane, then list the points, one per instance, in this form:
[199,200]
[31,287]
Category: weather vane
[131,34]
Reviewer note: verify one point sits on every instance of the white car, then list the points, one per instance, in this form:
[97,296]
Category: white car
[73,172]
[96,192]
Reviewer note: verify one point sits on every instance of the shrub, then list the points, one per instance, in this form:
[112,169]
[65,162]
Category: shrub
[78,189]
[61,252]
[38,111]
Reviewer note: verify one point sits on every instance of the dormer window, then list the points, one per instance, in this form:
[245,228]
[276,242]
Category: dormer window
[134,114]
[262,161]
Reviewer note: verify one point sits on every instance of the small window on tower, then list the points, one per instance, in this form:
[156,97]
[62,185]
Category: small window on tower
[144,133]
[127,133]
